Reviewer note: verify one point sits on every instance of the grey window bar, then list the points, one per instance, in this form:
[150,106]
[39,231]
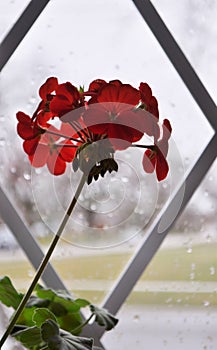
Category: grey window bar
[184,192]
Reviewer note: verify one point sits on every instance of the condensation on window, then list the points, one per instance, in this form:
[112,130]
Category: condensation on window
[176,297]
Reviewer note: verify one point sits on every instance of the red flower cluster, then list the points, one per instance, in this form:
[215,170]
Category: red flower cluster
[112,114]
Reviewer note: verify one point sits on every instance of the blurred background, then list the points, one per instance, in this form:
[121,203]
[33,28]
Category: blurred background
[79,41]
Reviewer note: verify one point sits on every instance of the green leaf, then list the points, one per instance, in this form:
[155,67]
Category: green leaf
[60,297]
[103,317]
[71,321]
[41,315]
[26,317]
[44,293]
[29,337]
[82,302]
[57,340]
[63,306]
[37,302]
[8,294]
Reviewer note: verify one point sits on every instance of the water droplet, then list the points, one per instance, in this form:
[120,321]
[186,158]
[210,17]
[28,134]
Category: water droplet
[193,266]
[2,141]
[2,118]
[30,273]
[13,170]
[93,206]
[189,250]
[27,176]
[169,300]
[38,171]
[192,275]
[206,303]
[124,179]
[136,318]
[212,270]
[32,100]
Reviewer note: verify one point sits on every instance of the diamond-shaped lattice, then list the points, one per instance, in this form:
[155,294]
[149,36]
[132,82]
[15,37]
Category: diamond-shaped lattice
[92,41]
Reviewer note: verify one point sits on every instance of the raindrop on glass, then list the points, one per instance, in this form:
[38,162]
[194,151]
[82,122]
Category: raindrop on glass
[136,318]
[212,270]
[38,171]
[13,170]
[32,100]
[27,176]
[93,206]
[2,141]
[30,273]
[193,266]
[192,275]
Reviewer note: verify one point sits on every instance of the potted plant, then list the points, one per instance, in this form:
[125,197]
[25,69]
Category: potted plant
[92,126]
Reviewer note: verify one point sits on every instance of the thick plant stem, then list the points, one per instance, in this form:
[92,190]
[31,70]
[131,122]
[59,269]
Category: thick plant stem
[44,262]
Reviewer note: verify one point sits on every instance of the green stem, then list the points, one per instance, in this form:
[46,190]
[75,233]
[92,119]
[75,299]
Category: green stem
[82,325]
[44,262]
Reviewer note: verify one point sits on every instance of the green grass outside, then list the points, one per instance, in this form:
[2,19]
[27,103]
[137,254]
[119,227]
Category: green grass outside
[168,265]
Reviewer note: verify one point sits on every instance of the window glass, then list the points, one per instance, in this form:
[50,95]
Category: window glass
[192,23]
[79,41]
[10,10]
[174,304]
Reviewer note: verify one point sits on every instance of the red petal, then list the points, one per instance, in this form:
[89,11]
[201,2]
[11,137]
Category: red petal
[162,167]
[56,164]
[149,161]
[67,130]
[30,146]
[152,107]
[67,153]
[121,136]
[146,92]
[96,85]
[167,129]
[124,93]
[39,158]
[95,117]
[25,131]
[116,82]
[49,86]
[60,105]
[69,91]
[23,118]
[44,117]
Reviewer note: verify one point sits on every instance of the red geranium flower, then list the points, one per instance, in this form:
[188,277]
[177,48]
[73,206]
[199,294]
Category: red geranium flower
[29,131]
[43,113]
[41,146]
[67,99]
[115,115]
[155,159]
[54,154]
